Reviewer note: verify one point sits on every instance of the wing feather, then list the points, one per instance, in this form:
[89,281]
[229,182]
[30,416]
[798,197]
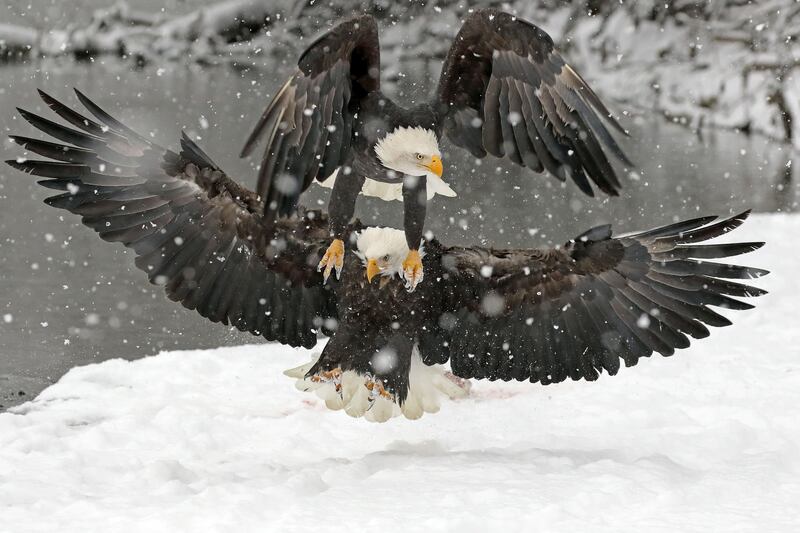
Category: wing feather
[577,311]
[308,125]
[527,151]
[194,230]
[492,129]
[509,143]
[535,109]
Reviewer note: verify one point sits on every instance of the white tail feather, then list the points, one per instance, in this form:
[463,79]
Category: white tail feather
[427,386]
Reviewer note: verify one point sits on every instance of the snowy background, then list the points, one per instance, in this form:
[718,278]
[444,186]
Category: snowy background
[220,439]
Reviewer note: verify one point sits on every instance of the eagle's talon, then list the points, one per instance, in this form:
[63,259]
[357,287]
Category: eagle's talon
[376,390]
[333,377]
[412,270]
[332,260]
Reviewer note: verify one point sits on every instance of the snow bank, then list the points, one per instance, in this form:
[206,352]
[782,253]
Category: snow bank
[728,63]
[220,440]
[142,36]
[16,41]
[732,65]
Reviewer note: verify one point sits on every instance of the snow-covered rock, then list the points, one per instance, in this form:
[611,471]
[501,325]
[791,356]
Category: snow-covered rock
[220,440]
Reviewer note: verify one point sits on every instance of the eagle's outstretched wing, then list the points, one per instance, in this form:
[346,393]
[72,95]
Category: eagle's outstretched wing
[194,230]
[572,312]
[309,122]
[505,90]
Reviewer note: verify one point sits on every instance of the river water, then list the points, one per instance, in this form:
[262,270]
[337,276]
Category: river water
[67,298]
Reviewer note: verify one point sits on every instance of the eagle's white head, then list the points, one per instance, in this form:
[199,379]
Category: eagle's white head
[411,151]
[382,251]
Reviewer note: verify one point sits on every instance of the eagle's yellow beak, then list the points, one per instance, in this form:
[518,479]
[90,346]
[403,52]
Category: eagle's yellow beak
[372,269]
[435,165]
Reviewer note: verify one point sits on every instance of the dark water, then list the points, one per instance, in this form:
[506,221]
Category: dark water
[67,298]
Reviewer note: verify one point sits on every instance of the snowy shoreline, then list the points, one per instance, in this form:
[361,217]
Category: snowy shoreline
[214,440]
[724,65]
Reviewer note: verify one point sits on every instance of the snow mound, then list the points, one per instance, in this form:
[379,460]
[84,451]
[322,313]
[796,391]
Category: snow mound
[220,440]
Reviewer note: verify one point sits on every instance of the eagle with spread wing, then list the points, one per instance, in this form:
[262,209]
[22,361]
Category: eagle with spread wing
[504,91]
[539,315]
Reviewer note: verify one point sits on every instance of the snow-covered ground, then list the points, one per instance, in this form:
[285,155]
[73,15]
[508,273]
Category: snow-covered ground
[220,440]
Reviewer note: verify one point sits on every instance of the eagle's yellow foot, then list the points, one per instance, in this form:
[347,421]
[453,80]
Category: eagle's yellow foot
[376,390]
[412,269]
[334,377]
[333,259]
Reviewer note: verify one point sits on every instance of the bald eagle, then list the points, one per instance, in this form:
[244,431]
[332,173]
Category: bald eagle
[541,315]
[504,90]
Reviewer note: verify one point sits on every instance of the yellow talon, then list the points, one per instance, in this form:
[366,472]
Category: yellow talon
[330,376]
[412,269]
[333,259]
[376,389]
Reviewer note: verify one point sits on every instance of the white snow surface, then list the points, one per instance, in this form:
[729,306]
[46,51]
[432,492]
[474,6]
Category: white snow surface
[220,440]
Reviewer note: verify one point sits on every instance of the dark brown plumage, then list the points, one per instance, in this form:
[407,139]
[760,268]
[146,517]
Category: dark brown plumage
[509,93]
[542,315]
[504,90]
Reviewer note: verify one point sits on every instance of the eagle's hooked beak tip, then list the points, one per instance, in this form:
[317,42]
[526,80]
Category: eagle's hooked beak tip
[372,269]
[436,166]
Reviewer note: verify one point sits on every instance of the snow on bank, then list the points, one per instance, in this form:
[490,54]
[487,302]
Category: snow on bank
[220,440]
[16,40]
[727,63]
[734,66]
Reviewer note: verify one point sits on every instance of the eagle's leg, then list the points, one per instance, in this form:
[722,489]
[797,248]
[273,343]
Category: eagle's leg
[385,369]
[341,207]
[328,368]
[415,202]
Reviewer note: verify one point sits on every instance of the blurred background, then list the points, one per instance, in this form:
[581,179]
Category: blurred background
[708,91]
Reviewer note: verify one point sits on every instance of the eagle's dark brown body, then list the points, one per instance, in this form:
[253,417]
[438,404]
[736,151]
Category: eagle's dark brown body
[542,315]
[382,309]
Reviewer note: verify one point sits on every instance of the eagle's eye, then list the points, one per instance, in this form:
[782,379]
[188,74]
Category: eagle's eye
[385,257]
[419,156]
